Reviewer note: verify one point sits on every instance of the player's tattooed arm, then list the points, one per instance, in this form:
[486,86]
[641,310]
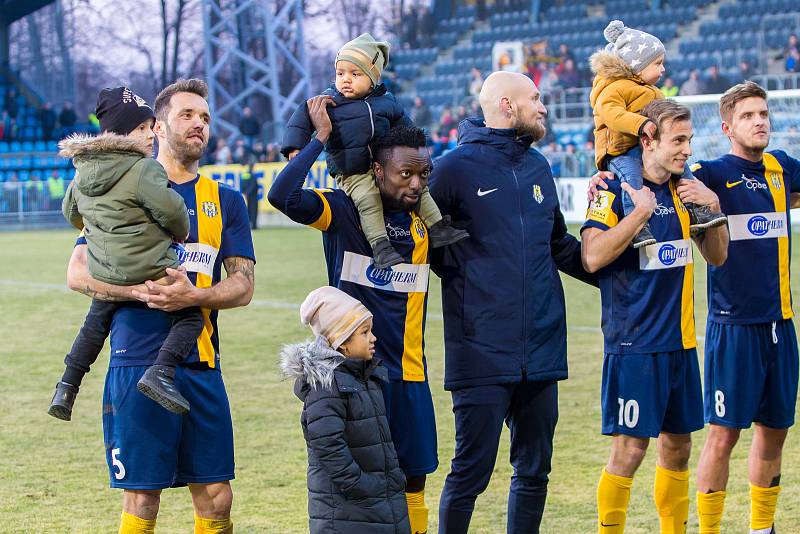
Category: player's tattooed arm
[178,292]
[79,279]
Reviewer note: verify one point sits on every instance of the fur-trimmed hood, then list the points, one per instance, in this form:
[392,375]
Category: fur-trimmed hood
[310,363]
[609,65]
[101,161]
[86,145]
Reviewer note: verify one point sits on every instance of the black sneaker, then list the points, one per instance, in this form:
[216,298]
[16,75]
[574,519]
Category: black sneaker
[702,218]
[157,384]
[384,255]
[442,234]
[63,399]
[643,238]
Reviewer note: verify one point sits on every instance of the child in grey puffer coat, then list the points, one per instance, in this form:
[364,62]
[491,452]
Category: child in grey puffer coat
[354,480]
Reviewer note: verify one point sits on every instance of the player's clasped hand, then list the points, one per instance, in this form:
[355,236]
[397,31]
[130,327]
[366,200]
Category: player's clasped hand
[597,181]
[696,191]
[643,199]
[176,294]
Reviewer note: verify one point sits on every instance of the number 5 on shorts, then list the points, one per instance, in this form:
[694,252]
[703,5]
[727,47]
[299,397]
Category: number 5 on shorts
[115,462]
[628,413]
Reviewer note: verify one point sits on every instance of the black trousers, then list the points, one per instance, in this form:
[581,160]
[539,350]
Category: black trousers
[530,409]
[187,324]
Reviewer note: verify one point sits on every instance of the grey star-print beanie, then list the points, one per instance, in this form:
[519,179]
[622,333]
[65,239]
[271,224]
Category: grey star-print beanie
[637,48]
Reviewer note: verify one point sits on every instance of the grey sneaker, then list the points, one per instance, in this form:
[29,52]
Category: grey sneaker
[63,400]
[643,238]
[702,218]
[157,383]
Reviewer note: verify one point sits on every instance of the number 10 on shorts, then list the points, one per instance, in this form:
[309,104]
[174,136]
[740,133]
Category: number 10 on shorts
[628,413]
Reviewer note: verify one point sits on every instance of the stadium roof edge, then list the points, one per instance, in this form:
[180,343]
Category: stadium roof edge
[13,10]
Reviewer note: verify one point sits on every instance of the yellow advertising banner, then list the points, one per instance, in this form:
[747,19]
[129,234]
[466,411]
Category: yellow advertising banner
[265,173]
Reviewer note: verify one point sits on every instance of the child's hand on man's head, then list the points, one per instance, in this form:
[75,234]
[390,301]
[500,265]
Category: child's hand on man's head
[649,130]
[292,154]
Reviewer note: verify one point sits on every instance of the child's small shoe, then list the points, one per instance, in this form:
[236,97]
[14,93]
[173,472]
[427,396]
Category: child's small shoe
[643,238]
[63,400]
[157,384]
[702,218]
[442,234]
[384,255]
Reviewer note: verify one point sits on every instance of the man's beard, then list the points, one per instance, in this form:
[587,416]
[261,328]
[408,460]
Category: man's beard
[535,130]
[182,150]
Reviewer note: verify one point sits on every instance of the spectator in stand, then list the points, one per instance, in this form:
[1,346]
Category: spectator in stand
[669,88]
[716,82]
[240,152]
[791,55]
[571,167]
[47,118]
[223,154]
[460,115]
[427,27]
[410,24]
[446,122]
[273,153]
[11,130]
[694,85]
[5,120]
[389,80]
[475,83]
[475,109]
[549,81]
[569,76]
[10,103]
[67,118]
[746,71]
[421,114]
[564,54]
[585,157]
[249,126]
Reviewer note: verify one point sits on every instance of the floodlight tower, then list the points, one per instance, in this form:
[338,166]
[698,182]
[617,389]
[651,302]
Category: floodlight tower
[254,48]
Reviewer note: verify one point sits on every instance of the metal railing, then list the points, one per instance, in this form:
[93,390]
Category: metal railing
[30,202]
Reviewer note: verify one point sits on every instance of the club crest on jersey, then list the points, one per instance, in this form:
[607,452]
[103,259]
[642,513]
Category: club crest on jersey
[537,194]
[776,180]
[210,209]
[419,227]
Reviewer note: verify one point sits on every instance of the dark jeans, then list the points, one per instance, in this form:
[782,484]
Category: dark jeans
[628,169]
[530,409]
[186,327]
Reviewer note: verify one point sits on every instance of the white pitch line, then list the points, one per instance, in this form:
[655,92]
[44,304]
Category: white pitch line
[276,304]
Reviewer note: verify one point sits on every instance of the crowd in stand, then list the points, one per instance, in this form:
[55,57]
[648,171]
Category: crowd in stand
[54,125]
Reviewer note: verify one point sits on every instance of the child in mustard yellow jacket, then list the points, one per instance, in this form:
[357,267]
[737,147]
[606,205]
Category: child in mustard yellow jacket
[626,72]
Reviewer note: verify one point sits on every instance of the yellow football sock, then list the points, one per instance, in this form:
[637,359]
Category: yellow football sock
[709,511]
[417,512]
[131,524]
[212,526]
[671,493]
[762,506]
[613,493]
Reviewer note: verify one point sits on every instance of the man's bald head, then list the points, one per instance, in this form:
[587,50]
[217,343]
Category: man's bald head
[512,100]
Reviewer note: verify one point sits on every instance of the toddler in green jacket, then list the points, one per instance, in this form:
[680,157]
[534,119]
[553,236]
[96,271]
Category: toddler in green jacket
[130,217]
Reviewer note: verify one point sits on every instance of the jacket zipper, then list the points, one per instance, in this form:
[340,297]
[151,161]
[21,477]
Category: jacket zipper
[524,320]
[372,125]
[384,441]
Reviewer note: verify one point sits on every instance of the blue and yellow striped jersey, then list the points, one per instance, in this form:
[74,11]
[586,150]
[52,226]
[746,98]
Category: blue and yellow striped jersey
[397,297]
[219,229]
[752,286]
[647,294]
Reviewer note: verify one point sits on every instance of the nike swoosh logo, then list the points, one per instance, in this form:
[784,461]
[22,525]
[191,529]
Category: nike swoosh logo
[734,184]
[482,193]
[611,525]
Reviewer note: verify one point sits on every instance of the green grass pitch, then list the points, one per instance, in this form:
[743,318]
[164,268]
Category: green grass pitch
[54,476]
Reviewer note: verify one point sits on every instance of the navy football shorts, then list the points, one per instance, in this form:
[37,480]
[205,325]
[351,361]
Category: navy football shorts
[409,408]
[148,447]
[646,394]
[751,374]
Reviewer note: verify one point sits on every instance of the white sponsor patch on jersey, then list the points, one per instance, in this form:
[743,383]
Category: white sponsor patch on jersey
[768,225]
[666,255]
[402,278]
[199,258]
